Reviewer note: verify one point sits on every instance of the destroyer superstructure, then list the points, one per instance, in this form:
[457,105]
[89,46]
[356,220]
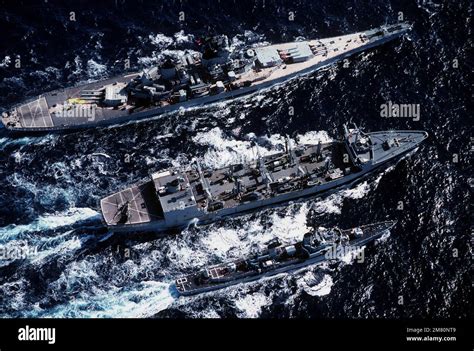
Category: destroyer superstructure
[173,198]
[316,247]
[196,78]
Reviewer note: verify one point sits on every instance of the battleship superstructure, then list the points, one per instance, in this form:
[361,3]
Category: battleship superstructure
[316,247]
[174,198]
[213,74]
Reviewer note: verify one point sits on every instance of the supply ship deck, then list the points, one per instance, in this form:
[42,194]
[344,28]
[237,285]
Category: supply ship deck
[174,198]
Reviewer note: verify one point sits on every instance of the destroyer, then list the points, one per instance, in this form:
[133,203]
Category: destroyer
[212,74]
[174,198]
[313,249]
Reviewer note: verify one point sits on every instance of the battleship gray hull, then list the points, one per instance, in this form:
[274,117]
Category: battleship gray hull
[175,199]
[103,103]
[281,259]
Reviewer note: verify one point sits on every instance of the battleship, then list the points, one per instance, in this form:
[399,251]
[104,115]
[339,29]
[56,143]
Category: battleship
[211,74]
[316,247]
[176,197]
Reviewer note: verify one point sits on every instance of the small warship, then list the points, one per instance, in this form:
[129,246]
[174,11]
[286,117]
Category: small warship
[213,73]
[174,198]
[316,247]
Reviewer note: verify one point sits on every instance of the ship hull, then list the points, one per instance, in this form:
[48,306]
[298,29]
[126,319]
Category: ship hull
[314,259]
[161,226]
[104,119]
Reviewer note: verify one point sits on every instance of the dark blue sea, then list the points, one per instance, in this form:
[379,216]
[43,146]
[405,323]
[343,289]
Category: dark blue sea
[50,184]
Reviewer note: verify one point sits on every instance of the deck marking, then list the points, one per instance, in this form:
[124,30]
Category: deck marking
[34,111]
[34,114]
[134,201]
[147,212]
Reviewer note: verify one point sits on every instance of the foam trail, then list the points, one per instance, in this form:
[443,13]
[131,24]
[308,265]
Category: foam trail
[39,140]
[225,150]
[48,222]
[307,283]
[58,245]
[333,203]
[228,242]
[145,300]
[4,142]
[250,306]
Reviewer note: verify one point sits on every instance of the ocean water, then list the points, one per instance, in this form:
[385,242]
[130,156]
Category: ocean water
[50,185]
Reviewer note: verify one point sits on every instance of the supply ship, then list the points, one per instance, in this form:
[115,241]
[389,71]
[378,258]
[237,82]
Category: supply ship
[213,73]
[174,198]
[316,247]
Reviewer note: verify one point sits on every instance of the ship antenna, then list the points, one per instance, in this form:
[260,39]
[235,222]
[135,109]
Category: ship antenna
[203,180]
[292,156]
[262,168]
[288,148]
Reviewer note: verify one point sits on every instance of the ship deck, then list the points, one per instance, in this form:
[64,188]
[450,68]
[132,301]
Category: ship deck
[402,140]
[222,183]
[41,113]
[177,196]
[324,50]
[144,204]
[141,201]
[196,283]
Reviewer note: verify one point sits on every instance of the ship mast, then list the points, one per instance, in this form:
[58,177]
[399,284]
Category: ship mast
[266,177]
[292,155]
[204,182]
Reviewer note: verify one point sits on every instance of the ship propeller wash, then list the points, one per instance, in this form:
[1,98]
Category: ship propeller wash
[316,247]
[174,198]
[211,74]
